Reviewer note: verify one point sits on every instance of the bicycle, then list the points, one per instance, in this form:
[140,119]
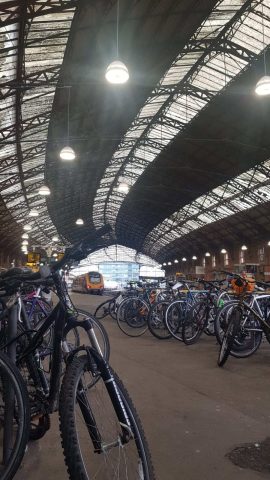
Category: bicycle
[245,325]
[88,381]
[14,417]
[201,315]
[133,311]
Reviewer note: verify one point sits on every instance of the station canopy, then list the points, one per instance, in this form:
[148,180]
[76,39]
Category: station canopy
[187,135]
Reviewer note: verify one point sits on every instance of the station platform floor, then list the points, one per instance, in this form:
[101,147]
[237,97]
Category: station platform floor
[193,412]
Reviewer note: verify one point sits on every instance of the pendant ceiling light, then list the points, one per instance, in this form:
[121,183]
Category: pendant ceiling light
[169,263]
[194,257]
[44,190]
[208,254]
[25,242]
[263,85]
[25,236]
[33,212]
[123,187]
[164,264]
[27,227]
[79,221]
[223,250]
[184,259]
[175,261]
[67,153]
[117,72]
[244,247]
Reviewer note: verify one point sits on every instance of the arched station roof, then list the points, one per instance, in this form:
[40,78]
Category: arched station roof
[186,133]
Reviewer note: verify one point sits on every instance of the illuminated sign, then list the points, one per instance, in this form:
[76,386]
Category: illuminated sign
[33,257]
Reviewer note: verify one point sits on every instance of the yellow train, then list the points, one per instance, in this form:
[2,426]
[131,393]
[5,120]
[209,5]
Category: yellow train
[91,282]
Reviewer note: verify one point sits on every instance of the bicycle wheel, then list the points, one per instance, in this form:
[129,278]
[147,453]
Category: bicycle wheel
[249,336]
[156,320]
[102,310]
[174,318]
[195,323]
[229,336]
[132,316]
[115,459]
[222,319]
[113,309]
[14,418]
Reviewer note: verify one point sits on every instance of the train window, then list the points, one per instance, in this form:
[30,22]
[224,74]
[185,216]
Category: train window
[94,277]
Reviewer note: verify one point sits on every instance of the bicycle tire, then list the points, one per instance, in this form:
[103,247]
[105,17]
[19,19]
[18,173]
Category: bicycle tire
[112,311]
[77,463]
[156,320]
[132,316]
[9,371]
[229,336]
[221,320]
[174,318]
[193,320]
[100,311]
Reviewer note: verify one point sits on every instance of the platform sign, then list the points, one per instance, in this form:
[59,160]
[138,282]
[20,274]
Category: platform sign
[33,257]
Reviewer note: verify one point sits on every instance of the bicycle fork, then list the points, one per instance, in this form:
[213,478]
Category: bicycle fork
[99,367]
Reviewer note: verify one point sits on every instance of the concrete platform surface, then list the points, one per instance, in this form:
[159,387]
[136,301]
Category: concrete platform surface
[193,412]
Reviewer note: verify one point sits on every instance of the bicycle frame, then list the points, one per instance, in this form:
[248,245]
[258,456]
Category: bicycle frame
[63,320]
[258,314]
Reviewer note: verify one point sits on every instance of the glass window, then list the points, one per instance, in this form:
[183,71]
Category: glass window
[242,257]
[261,255]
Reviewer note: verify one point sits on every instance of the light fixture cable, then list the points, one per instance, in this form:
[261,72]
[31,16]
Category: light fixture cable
[68,115]
[263,40]
[117,31]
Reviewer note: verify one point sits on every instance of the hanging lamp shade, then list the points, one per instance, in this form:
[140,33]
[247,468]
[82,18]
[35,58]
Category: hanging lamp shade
[33,213]
[169,263]
[208,254]
[223,250]
[194,257]
[44,190]
[175,261]
[117,73]
[27,227]
[79,221]
[184,259]
[244,247]
[25,236]
[67,153]
[263,86]
[123,187]
[164,264]
[25,242]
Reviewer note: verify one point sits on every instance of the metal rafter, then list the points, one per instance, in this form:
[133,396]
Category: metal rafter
[10,10]
[241,193]
[209,49]
[27,100]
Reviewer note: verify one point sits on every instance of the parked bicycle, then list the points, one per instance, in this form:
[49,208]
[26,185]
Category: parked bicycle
[100,429]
